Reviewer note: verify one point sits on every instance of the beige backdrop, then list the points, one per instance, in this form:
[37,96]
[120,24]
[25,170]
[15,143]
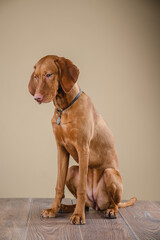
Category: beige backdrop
[115,44]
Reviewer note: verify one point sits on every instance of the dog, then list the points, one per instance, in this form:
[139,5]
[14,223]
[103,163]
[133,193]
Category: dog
[81,132]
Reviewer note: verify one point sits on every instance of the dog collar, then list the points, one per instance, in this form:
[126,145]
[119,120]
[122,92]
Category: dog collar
[61,111]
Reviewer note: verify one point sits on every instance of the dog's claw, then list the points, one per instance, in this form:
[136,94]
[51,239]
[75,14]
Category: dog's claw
[110,213]
[77,219]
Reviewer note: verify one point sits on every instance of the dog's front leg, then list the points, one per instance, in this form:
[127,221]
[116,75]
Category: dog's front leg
[63,161]
[78,216]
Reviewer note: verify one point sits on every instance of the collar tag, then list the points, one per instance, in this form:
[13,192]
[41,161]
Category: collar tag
[58,120]
[59,117]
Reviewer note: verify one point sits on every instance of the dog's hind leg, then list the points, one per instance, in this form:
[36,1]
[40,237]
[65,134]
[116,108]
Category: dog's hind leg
[109,192]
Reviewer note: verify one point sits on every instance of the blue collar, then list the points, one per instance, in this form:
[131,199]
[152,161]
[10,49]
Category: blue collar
[61,111]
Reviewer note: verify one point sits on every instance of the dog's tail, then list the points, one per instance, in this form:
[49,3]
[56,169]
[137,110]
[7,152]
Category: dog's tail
[70,208]
[128,203]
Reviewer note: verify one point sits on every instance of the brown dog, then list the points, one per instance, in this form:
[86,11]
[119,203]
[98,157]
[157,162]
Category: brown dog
[82,133]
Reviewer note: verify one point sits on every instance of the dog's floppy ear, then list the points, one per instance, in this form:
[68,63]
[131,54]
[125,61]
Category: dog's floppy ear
[32,85]
[68,73]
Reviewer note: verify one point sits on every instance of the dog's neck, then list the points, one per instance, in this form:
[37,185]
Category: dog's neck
[62,99]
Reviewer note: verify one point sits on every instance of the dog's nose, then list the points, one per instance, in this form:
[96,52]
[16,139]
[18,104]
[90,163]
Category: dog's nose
[38,97]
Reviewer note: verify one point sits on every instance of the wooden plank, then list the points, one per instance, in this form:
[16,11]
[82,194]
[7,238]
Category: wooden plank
[97,227]
[58,228]
[13,218]
[143,219]
[157,204]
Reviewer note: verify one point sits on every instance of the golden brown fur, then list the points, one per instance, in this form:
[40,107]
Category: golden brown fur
[84,135]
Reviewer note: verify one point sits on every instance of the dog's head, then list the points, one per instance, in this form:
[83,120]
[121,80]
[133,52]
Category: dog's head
[49,72]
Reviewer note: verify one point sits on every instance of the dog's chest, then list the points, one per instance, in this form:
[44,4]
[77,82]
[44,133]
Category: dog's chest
[66,135]
[63,126]
[63,132]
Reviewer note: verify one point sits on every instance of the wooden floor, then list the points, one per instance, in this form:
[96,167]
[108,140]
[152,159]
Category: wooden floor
[20,219]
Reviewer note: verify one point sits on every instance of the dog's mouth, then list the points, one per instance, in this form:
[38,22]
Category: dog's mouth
[38,101]
[44,100]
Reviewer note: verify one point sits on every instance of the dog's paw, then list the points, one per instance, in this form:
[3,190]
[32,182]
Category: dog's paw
[48,213]
[110,213]
[77,219]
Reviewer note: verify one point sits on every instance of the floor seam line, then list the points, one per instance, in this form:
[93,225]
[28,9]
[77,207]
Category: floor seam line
[154,205]
[28,219]
[131,229]
[80,232]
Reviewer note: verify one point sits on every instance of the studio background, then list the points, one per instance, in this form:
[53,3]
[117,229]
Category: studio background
[115,44]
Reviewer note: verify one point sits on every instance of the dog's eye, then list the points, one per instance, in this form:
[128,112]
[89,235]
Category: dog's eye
[35,77]
[49,75]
